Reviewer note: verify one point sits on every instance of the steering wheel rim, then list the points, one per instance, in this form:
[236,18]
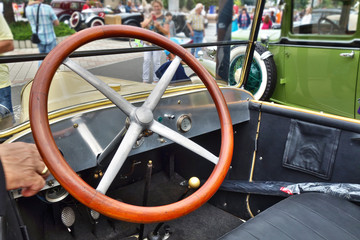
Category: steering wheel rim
[333,25]
[79,188]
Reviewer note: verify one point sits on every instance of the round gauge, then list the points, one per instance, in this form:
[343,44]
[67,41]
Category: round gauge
[56,194]
[184,123]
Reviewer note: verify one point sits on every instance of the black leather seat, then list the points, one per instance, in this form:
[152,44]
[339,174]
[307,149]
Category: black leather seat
[306,216]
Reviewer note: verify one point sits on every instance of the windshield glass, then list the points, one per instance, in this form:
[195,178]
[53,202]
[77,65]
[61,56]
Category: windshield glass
[325,17]
[130,69]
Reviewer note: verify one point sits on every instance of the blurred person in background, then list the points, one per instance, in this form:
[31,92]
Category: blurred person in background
[172,29]
[155,22]
[272,17]
[307,17]
[244,19]
[196,25]
[180,73]
[86,5]
[6,45]
[130,7]
[47,21]
[267,24]
[234,24]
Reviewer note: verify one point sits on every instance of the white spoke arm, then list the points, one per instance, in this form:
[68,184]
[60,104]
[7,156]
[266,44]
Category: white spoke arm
[183,141]
[112,145]
[110,93]
[119,157]
[154,97]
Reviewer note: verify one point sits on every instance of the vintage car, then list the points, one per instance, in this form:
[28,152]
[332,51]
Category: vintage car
[177,160]
[305,55]
[96,17]
[180,18]
[90,17]
[64,8]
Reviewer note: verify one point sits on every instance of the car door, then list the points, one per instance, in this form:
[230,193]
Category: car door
[320,57]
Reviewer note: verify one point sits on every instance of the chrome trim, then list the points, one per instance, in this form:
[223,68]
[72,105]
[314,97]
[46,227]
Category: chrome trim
[100,103]
[312,46]
[266,55]
[319,43]
[348,55]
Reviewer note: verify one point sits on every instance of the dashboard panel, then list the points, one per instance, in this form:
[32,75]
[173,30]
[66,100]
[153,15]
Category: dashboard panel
[81,138]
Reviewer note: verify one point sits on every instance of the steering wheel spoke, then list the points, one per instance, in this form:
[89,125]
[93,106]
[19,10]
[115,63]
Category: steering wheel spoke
[120,156]
[112,145]
[110,93]
[154,97]
[183,141]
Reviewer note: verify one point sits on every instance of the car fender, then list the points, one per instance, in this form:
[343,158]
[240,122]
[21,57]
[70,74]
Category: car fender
[64,17]
[90,18]
[131,22]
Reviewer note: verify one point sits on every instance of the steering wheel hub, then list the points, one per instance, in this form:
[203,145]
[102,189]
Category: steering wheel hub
[144,115]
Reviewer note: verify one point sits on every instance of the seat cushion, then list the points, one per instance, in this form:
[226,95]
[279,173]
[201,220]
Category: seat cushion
[305,216]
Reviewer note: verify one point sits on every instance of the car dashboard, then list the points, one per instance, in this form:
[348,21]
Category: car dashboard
[87,139]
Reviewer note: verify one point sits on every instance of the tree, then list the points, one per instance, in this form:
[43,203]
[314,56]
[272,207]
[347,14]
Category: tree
[301,4]
[208,3]
[8,11]
[190,4]
[181,3]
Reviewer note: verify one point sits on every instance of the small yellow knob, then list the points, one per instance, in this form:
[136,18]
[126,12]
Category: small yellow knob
[194,182]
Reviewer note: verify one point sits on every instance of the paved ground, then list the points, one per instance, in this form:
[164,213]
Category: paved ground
[22,72]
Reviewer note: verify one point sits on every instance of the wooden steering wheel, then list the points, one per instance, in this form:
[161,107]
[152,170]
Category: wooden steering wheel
[141,118]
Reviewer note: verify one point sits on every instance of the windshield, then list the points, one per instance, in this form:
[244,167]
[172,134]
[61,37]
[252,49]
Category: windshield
[130,68]
[325,17]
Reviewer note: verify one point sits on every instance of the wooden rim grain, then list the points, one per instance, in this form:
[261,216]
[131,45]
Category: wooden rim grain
[79,188]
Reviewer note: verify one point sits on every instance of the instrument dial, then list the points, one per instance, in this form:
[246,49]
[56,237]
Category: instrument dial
[184,123]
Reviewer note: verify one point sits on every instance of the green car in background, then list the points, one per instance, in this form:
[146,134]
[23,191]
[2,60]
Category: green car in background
[316,55]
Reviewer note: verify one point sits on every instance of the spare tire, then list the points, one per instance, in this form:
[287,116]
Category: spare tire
[75,20]
[262,77]
[96,22]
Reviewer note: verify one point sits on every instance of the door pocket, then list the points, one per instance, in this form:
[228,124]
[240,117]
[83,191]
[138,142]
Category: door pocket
[311,148]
